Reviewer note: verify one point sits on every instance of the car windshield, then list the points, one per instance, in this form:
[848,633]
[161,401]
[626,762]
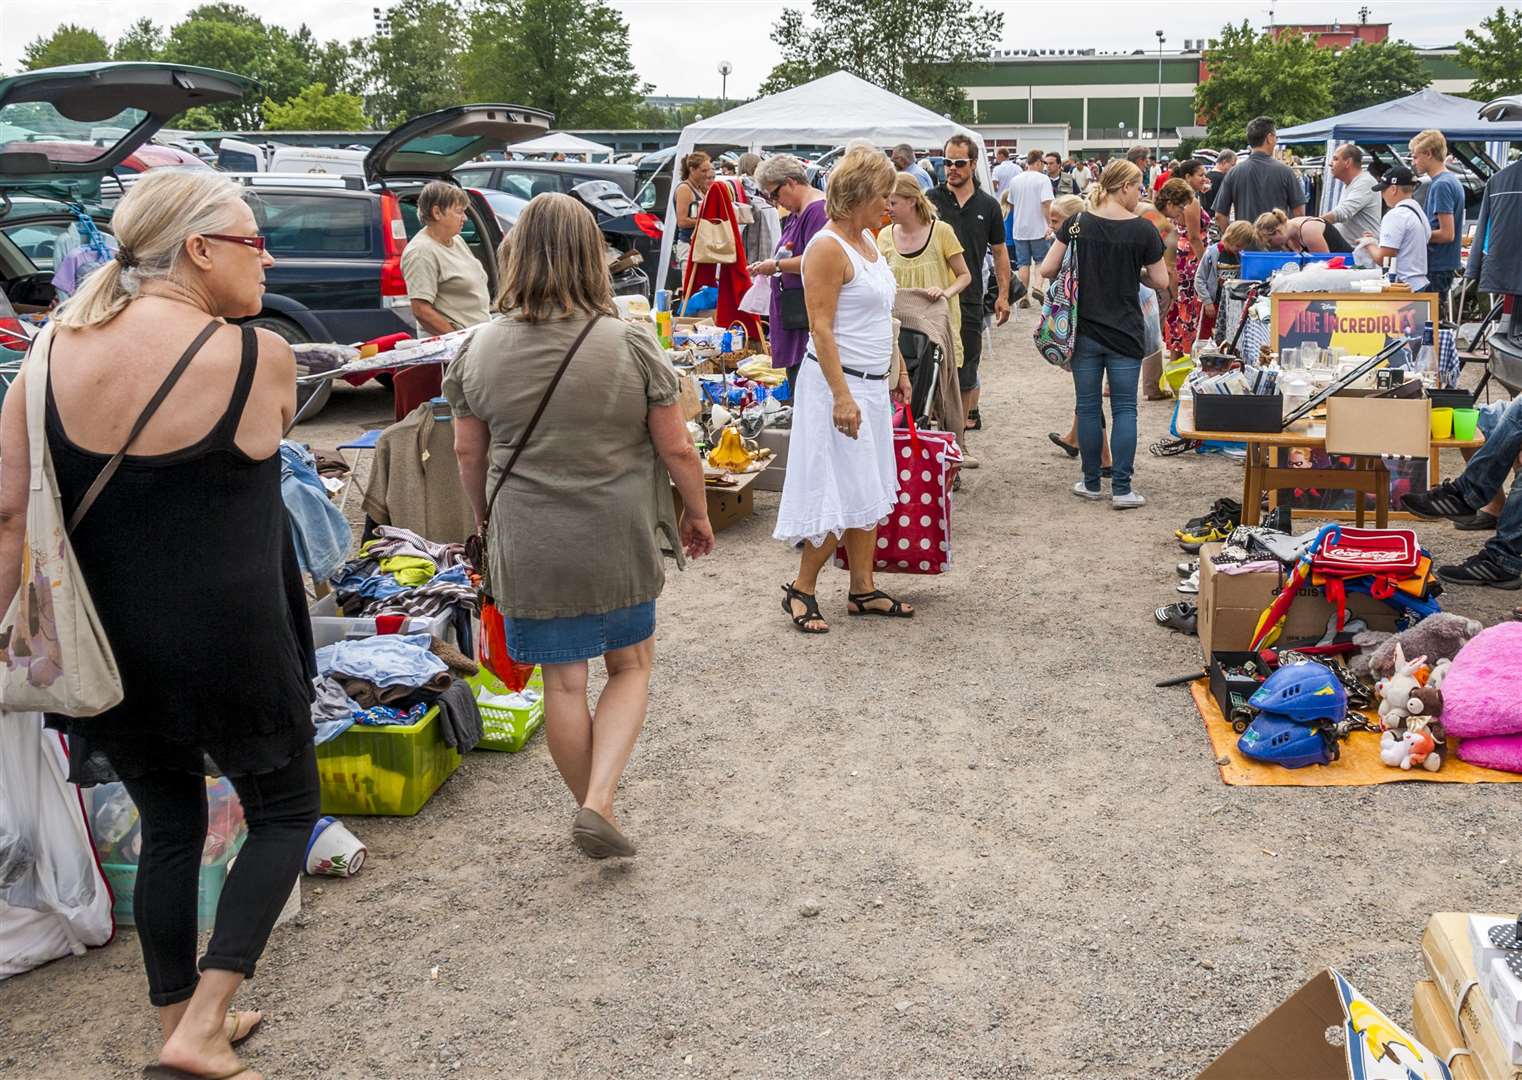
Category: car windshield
[37,127]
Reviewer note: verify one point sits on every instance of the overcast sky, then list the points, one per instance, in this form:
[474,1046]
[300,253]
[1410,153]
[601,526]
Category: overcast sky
[664,31]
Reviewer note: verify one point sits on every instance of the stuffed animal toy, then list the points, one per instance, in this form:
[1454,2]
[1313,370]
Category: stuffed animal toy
[1437,637]
[1404,751]
[1395,692]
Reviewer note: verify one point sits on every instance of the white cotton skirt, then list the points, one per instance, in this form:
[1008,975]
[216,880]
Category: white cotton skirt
[834,483]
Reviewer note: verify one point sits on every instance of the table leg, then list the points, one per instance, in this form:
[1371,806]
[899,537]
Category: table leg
[1381,494]
[1252,488]
[1358,501]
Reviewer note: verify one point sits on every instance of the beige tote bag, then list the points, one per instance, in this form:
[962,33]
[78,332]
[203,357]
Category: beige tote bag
[713,242]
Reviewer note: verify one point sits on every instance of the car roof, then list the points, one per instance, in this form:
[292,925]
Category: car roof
[590,167]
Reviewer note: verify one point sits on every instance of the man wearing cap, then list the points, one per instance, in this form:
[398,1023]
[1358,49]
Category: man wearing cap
[1404,232]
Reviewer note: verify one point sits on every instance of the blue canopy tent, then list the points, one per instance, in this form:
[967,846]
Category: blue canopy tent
[1395,122]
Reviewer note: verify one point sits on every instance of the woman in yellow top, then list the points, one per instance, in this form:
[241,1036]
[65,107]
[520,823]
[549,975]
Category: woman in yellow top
[923,252]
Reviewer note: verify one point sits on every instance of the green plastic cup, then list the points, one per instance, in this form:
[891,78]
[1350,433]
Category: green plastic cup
[1465,421]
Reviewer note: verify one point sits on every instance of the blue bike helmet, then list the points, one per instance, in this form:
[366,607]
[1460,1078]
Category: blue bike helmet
[1303,694]
[1284,742]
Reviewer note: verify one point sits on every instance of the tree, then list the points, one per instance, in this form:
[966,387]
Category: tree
[934,45]
[416,67]
[314,109]
[1253,74]
[1367,74]
[674,117]
[144,40]
[569,57]
[69,44]
[1494,54]
[232,38]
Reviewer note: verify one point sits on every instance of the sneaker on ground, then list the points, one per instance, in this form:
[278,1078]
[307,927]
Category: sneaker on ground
[1480,569]
[1443,501]
[1084,493]
[1129,501]
[1190,584]
[1187,568]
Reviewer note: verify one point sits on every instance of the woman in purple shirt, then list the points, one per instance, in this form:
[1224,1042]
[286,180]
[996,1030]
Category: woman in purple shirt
[785,184]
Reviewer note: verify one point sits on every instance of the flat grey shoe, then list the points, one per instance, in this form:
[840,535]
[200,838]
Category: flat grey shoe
[599,838]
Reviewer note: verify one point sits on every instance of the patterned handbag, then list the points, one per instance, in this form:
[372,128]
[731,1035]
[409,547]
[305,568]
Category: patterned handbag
[1058,326]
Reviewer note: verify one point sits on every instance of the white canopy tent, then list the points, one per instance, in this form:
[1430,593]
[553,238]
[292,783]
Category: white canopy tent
[563,142]
[834,109]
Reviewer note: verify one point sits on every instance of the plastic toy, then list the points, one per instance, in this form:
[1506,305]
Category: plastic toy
[1284,742]
[1307,693]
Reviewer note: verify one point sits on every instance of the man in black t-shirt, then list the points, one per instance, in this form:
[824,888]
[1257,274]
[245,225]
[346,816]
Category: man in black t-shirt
[974,216]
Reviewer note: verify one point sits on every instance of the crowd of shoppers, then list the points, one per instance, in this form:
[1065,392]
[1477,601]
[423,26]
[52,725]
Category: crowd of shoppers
[924,253]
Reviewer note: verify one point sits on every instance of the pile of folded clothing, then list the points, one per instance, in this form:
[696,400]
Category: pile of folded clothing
[400,573]
[394,679]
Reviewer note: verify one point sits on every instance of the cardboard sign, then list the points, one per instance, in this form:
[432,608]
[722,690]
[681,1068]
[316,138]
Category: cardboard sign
[1382,426]
[1361,323]
[1327,1031]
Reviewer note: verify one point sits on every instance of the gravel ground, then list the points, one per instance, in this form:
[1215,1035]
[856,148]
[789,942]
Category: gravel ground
[978,844]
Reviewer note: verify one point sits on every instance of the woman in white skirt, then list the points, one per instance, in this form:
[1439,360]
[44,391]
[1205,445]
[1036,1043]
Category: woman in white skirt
[841,480]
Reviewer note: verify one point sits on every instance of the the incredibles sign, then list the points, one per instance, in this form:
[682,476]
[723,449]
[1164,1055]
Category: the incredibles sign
[1360,323]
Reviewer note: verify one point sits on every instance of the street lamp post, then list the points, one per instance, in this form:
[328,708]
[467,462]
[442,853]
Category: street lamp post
[725,67]
[1159,127]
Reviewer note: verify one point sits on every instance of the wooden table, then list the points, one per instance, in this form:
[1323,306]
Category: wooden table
[1260,474]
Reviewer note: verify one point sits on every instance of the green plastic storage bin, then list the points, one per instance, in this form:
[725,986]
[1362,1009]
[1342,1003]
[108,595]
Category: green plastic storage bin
[122,877]
[385,771]
[508,729]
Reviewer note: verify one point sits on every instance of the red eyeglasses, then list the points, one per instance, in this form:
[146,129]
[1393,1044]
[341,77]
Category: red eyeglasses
[255,242]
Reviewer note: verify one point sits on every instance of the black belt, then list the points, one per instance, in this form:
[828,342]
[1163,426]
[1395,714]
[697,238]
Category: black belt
[851,371]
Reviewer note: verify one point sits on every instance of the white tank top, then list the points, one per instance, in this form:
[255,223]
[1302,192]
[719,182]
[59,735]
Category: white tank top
[864,312]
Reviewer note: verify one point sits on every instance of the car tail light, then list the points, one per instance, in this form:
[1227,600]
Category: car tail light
[393,285]
[12,336]
[648,224]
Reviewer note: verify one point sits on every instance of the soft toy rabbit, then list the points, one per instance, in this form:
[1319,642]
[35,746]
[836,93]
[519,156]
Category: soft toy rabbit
[1395,691]
[1413,747]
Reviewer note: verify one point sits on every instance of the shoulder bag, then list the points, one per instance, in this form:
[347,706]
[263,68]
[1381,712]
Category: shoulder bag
[1058,326]
[54,655]
[476,544]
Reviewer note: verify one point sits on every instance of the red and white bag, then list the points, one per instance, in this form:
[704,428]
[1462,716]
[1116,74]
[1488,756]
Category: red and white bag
[916,537]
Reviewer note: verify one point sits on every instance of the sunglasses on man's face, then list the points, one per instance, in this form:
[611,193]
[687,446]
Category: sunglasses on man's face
[255,242]
[958,162]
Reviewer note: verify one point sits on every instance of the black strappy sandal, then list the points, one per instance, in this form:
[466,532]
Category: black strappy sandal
[811,610]
[974,420]
[858,605]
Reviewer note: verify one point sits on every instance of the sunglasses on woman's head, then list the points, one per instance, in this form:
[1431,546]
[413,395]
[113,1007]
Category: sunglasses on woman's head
[255,242]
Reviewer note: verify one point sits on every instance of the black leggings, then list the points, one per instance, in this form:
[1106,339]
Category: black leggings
[280,807]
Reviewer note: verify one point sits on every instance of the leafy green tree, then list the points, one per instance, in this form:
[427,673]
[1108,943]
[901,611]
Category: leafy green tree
[1494,54]
[232,38]
[144,40]
[69,44]
[315,109]
[416,68]
[199,118]
[1369,73]
[666,117]
[1253,74]
[920,49]
[570,57]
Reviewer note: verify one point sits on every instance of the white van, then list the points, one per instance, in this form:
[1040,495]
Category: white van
[317,159]
[235,155]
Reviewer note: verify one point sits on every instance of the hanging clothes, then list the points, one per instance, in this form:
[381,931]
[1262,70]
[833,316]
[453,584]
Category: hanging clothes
[1497,263]
[80,249]
[319,531]
[415,479]
[731,279]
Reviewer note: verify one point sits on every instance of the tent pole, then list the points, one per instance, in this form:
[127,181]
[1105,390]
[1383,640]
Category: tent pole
[1326,176]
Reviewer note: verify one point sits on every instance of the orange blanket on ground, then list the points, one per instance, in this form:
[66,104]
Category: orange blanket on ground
[1359,765]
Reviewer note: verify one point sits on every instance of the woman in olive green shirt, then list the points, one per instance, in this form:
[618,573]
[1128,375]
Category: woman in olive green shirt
[577,531]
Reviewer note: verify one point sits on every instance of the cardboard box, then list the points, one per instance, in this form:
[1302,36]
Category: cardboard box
[1433,1022]
[1449,955]
[777,441]
[1230,606]
[1388,426]
[1292,1042]
[726,505]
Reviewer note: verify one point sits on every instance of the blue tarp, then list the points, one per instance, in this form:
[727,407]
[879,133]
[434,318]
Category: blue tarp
[1396,121]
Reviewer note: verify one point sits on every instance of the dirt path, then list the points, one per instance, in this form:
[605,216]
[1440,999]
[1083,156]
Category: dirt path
[978,844]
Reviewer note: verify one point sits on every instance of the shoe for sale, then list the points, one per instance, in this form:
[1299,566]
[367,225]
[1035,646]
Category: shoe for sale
[1479,521]
[1480,569]
[1182,616]
[1443,501]
[1184,569]
[1131,500]
[1208,533]
[1221,508]
[1084,493]
[1190,584]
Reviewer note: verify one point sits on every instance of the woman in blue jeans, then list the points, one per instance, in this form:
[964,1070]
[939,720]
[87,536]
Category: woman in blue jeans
[1115,250]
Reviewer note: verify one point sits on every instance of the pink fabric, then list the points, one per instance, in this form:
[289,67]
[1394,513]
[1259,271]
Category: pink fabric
[1482,694]
[1496,752]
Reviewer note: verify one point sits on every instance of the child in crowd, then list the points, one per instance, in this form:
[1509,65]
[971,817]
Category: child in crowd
[1239,237]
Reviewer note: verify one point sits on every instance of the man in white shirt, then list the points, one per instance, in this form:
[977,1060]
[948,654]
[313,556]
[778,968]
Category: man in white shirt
[1404,232]
[1358,211]
[1005,169]
[1028,196]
